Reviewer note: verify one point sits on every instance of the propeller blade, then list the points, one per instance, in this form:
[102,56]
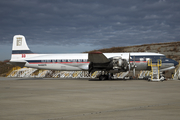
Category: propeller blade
[134,67]
[134,72]
[129,63]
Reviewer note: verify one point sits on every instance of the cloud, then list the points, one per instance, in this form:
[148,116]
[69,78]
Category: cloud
[95,23]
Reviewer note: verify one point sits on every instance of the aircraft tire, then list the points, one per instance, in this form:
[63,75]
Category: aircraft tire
[103,77]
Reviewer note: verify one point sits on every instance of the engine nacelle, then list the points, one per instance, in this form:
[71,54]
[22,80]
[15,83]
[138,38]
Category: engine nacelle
[115,65]
[119,63]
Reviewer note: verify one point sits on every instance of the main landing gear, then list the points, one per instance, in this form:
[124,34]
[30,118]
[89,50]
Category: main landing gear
[105,76]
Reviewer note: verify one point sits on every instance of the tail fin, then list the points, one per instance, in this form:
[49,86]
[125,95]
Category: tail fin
[19,45]
[20,50]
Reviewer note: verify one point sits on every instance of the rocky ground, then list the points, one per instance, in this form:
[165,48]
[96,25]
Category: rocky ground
[5,68]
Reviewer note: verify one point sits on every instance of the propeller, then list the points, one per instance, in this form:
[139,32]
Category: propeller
[134,66]
[129,63]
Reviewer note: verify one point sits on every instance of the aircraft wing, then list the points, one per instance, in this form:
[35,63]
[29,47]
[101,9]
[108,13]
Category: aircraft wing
[99,62]
[97,57]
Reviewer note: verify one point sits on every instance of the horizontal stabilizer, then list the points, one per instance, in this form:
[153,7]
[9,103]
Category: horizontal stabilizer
[20,64]
[97,57]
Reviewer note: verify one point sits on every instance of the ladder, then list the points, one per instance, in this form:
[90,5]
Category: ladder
[123,74]
[95,74]
[13,71]
[155,70]
[176,75]
[143,74]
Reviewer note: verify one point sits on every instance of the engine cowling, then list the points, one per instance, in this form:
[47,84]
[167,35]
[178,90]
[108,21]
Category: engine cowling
[119,63]
[115,65]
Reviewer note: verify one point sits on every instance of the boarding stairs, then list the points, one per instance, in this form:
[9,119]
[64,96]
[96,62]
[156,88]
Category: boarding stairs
[143,74]
[81,74]
[71,74]
[95,74]
[17,73]
[28,72]
[155,67]
[13,73]
[56,74]
[86,74]
[77,74]
[66,74]
[43,73]
[122,75]
[176,75]
[155,73]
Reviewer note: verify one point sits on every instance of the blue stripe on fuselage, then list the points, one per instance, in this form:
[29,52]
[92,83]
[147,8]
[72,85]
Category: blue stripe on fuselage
[144,58]
[22,52]
[58,61]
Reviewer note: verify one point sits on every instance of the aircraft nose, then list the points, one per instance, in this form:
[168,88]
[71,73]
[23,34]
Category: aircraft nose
[175,63]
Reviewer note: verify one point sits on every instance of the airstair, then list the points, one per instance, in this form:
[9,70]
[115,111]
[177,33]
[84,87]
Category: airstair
[56,74]
[86,74]
[176,75]
[71,74]
[43,73]
[22,72]
[155,66]
[122,75]
[66,74]
[81,74]
[28,72]
[77,74]
[95,74]
[13,71]
[143,74]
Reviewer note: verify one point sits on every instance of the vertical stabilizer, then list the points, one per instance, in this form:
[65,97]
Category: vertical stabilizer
[19,45]
[20,50]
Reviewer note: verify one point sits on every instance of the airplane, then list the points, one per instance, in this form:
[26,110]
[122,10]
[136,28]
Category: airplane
[108,63]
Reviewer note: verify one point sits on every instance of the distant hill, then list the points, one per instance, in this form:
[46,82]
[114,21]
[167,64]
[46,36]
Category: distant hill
[5,68]
[171,49]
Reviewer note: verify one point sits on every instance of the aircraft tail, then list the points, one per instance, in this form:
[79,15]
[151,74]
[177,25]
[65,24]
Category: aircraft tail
[20,50]
[19,45]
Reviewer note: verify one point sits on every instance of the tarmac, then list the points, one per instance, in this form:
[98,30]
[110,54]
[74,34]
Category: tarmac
[84,99]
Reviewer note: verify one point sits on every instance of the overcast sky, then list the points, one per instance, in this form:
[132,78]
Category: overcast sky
[69,26]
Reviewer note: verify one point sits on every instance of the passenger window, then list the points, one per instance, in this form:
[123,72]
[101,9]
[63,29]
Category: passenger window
[147,59]
[141,59]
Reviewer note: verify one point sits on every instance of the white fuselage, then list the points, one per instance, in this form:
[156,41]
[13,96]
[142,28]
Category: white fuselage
[75,62]
[23,56]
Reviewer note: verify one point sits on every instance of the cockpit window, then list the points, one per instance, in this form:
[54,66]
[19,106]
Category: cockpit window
[162,57]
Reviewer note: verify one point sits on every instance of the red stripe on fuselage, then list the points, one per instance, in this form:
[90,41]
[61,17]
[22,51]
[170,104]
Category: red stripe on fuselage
[57,62]
[25,53]
[76,62]
[139,61]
